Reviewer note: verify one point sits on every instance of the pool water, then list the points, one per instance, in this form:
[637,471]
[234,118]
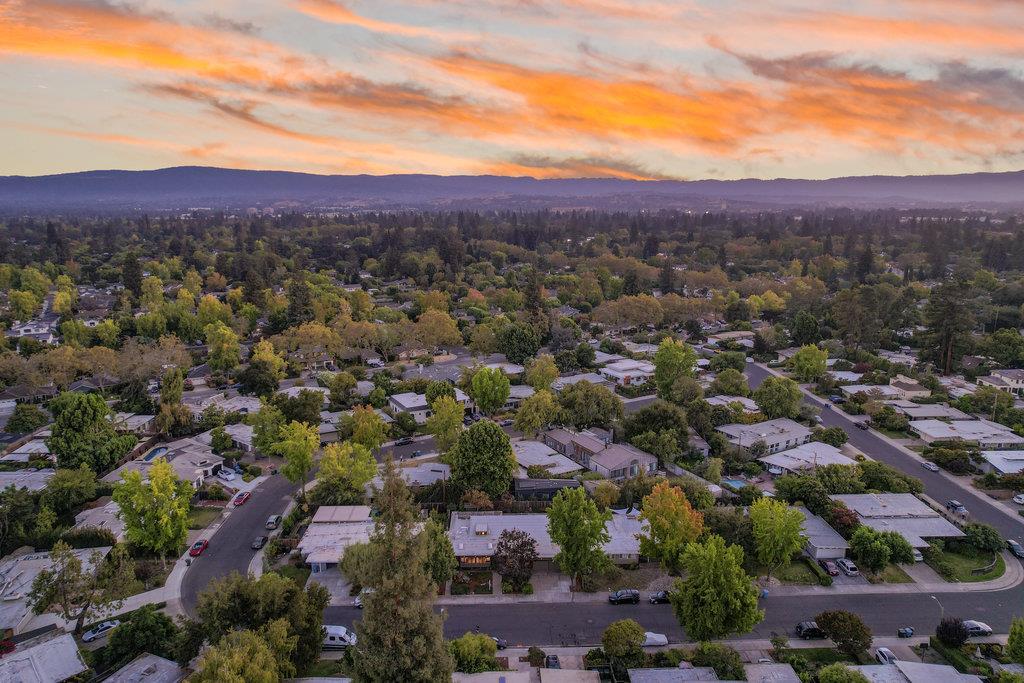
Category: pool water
[734,483]
[155,453]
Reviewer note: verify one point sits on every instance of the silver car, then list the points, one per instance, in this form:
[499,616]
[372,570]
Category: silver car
[100,630]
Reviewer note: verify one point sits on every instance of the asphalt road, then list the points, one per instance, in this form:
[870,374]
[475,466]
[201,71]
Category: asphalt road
[229,547]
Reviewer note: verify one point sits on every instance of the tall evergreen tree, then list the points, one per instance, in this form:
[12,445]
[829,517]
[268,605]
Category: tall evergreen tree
[399,637]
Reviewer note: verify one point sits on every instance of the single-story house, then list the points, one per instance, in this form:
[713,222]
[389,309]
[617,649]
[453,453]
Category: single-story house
[898,357]
[1003,462]
[538,454]
[241,436]
[602,358]
[687,673]
[748,405]
[698,444]
[147,668]
[32,480]
[510,369]
[51,657]
[927,411]
[902,671]
[517,393]
[823,542]
[540,489]
[103,517]
[986,434]
[33,449]
[627,372]
[561,383]
[805,457]
[957,387]
[903,513]
[845,376]
[293,392]
[134,423]
[777,435]
[474,536]
[333,529]
[875,391]
[246,405]
[191,460]
[908,388]
[416,404]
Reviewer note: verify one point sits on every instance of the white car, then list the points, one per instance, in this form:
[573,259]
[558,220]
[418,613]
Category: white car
[100,630]
[338,637]
[1019,499]
[885,656]
[930,466]
[226,474]
[977,628]
[655,639]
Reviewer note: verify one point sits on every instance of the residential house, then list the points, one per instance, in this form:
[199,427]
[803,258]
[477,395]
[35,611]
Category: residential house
[907,388]
[510,369]
[416,404]
[903,513]
[106,516]
[561,383]
[51,657]
[902,671]
[611,460]
[474,536]
[748,406]
[777,435]
[134,423]
[517,393]
[823,542]
[33,449]
[147,668]
[927,411]
[602,358]
[983,433]
[1002,462]
[845,376]
[804,457]
[31,480]
[628,372]
[332,530]
[192,461]
[874,391]
[241,436]
[698,445]
[1010,380]
[530,453]
[540,489]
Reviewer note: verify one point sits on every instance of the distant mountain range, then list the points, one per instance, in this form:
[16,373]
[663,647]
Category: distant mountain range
[185,187]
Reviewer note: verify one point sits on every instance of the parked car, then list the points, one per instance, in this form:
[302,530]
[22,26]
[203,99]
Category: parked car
[237,467]
[655,639]
[551,662]
[1019,499]
[905,632]
[809,630]
[659,597]
[100,630]
[930,466]
[273,521]
[918,555]
[226,474]
[338,637]
[358,602]
[817,418]
[977,628]
[956,507]
[417,454]
[505,423]
[500,643]
[1015,548]
[836,398]
[862,425]
[884,655]
[242,497]
[848,567]
[259,542]
[626,595]
[198,547]
[404,441]
[830,567]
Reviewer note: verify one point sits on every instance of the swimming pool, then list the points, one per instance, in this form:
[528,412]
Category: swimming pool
[155,453]
[733,483]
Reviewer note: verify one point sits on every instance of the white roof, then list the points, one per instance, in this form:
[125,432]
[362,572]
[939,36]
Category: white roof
[914,672]
[33,480]
[925,411]
[600,357]
[748,404]
[903,513]
[476,535]
[592,377]
[507,368]
[882,390]
[53,659]
[770,431]
[627,365]
[293,392]
[103,517]
[16,576]
[410,401]
[808,456]
[341,514]
[327,542]
[1005,462]
[530,453]
[982,431]
[819,533]
[845,375]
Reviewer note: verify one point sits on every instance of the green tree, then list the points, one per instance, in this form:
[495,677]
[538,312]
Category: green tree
[778,397]
[536,412]
[346,464]
[809,363]
[68,489]
[672,360]
[833,436]
[623,641]
[445,422]
[723,659]
[579,530]
[297,442]
[441,562]
[778,532]
[143,630]
[304,407]
[541,372]
[848,631]
[949,322]
[672,524]
[474,653]
[869,548]
[155,512]
[399,637]
[27,417]
[518,342]
[838,672]
[589,405]
[731,383]
[1015,645]
[172,386]
[368,428]
[245,657]
[220,440]
[483,459]
[223,347]
[437,389]
[514,557]
[490,389]
[342,386]
[79,589]
[266,425]
[82,433]
[717,598]
[259,379]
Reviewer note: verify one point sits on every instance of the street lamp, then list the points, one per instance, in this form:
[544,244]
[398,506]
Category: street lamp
[942,613]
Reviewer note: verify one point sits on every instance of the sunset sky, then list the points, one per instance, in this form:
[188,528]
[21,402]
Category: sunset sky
[548,88]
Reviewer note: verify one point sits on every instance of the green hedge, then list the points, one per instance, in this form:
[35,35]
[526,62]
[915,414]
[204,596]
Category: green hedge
[823,578]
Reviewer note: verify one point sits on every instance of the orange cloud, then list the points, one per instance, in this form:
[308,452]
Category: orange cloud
[335,12]
[578,167]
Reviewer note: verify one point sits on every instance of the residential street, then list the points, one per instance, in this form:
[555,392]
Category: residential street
[229,547]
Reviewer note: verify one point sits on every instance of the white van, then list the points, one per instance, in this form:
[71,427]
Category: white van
[338,637]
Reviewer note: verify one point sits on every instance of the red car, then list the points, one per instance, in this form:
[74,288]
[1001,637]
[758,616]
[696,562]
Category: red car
[830,567]
[242,497]
[198,547]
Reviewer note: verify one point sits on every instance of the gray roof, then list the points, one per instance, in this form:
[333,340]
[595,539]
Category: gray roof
[818,532]
[43,661]
[147,668]
[476,535]
[903,513]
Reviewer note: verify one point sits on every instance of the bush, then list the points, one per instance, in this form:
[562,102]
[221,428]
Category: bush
[723,659]
[89,537]
[984,537]
[216,492]
[951,632]
[823,578]
[537,655]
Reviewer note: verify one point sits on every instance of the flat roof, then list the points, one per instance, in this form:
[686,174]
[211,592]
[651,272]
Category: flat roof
[476,535]
[808,456]
[325,543]
[968,430]
[722,400]
[536,453]
[1007,462]
[341,514]
[769,430]
[147,668]
[819,533]
[33,480]
[16,576]
[903,513]
[43,661]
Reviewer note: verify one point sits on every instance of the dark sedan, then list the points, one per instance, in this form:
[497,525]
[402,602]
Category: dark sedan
[624,596]
[659,598]
[259,542]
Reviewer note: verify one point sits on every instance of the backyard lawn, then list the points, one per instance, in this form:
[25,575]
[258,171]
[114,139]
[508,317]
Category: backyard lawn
[296,574]
[200,518]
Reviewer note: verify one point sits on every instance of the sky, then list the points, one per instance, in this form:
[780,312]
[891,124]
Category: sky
[681,89]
